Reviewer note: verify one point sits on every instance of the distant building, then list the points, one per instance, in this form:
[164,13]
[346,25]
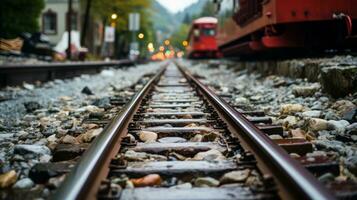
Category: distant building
[53,20]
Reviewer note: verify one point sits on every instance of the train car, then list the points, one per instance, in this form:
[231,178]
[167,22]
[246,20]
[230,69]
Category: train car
[267,25]
[202,38]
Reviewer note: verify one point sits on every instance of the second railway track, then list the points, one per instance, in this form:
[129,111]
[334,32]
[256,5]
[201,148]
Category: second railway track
[192,145]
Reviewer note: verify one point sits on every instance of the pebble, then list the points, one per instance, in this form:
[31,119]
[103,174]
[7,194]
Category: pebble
[297,133]
[206,182]
[149,180]
[210,155]
[289,122]
[32,106]
[28,86]
[338,125]
[197,138]
[241,100]
[291,108]
[131,155]
[343,106]
[25,183]
[317,124]
[172,140]
[68,139]
[312,114]
[147,136]
[183,186]
[352,129]
[87,91]
[89,135]
[275,137]
[23,149]
[235,176]
[8,178]
[306,90]
[55,182]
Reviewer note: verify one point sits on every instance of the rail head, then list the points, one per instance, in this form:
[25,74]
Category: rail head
[85,177]
[296,182]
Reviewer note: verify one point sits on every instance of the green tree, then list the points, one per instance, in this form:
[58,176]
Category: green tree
[179,36]
[17,16]
[208,9]
[102,9]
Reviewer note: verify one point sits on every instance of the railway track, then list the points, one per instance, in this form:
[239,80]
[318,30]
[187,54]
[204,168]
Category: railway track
[176,139]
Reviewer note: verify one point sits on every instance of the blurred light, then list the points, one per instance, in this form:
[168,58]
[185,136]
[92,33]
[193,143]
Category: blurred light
[162,48]
[180,54]
[167,42]
[114,16]
[150,45]
[141,35]
[185,43]
[113,24]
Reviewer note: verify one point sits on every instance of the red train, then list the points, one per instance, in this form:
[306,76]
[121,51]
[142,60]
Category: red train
[202,38]
[265,25]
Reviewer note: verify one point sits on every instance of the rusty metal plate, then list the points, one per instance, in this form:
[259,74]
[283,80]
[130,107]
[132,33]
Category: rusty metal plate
[295,145]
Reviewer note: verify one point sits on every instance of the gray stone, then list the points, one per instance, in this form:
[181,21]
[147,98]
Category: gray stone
[235,176]
[148,136]
[206,182]
[340,125]
[317,124]
[64,152]
[312,114]
[331,116]
[241,100]
[183,186]
[352,129]
[23,149]
[210,155]
[350,115]
[339,81]
[317,105]
[32,106]
[306,90]
[25,183]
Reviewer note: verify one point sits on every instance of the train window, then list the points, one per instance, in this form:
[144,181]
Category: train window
[208,32]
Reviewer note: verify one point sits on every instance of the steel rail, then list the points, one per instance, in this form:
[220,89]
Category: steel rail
[84,179]
[291,176]
[63,65]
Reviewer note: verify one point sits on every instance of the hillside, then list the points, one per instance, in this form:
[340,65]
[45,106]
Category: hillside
[192,10]
[163,20]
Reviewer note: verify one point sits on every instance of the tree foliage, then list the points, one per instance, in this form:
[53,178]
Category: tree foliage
[17,16]
[179,36]
[103,9]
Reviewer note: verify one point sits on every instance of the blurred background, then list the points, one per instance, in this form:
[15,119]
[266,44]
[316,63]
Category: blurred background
[100,29]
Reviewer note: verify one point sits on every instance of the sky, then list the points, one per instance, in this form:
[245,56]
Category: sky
[176,5]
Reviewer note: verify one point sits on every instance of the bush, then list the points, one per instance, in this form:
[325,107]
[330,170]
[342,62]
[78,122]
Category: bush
[17,16]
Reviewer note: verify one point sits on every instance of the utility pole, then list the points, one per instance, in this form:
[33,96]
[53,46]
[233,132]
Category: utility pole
[69,28]
[86,21]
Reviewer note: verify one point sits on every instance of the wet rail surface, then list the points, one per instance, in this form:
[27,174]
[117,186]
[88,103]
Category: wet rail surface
[176,139]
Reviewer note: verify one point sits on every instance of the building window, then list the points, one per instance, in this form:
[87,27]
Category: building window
[49,22]
[74,20]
